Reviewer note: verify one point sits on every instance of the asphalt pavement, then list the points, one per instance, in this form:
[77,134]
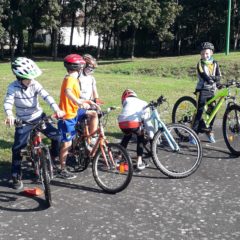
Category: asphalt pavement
[205,205]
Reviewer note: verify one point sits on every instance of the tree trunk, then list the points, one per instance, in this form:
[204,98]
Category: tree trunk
[54,44]
[72,30]
[85,24]
[98,48]
[20,44]
[1,51]
[89,36]
[109,37]
[31,33]
[236,23]
[117,43]
[133,42]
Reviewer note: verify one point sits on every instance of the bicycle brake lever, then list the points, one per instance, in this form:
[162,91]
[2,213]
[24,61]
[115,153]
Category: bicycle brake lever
[18,122]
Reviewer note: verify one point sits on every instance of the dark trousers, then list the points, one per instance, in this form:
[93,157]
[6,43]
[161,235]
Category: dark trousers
[20,141]
[198,124]
[128,135]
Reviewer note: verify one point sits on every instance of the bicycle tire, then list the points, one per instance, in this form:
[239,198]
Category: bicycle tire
[45,176]
[112,177]
[177,164]
[183,110]
[49,163]
[231,129]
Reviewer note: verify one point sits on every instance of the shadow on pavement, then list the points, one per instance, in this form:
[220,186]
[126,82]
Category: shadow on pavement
[76,186]
[208,152]
[10,199]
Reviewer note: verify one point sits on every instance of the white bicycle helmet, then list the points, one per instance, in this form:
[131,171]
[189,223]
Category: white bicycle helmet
[25,68]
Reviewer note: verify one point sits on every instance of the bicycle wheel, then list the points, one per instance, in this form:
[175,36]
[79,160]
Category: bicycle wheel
[49,163]
[45,176]
[231,129]
[78,159]
[112,169]
[184,110]
[177,163]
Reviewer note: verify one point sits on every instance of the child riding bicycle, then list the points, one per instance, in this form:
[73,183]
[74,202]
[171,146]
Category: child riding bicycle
[73,106]
[23,94]
[209,76]
[89,91]
[130,121]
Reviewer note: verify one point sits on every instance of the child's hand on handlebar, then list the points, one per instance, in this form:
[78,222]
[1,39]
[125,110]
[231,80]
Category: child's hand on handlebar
[60,114]
[95,105]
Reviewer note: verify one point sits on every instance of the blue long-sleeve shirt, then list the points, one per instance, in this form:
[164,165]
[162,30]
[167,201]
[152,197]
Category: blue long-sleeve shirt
[25,100]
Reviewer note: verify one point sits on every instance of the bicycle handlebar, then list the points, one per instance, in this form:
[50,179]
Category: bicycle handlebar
[156,103]
[49,119]
[231,82]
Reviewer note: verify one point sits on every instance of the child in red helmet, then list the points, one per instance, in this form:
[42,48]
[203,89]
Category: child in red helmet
[130,121]
[72,105]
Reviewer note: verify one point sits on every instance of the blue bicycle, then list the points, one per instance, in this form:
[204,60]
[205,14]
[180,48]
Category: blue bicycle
[172,152]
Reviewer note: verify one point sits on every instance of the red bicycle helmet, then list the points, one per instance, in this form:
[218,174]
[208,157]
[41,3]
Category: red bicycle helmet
[74,62]
[128,93]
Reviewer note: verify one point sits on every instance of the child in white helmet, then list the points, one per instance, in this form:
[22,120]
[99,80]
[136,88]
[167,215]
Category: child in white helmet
[23,95]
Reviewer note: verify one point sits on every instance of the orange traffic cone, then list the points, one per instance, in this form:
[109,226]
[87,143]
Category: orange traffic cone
[36,191]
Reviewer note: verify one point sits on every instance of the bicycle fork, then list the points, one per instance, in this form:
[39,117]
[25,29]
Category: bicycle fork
[160,125]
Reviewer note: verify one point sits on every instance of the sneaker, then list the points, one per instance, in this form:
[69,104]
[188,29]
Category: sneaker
[65,174]
[140,166]
[192,140]
[146,163]
[17,183]
[210,137]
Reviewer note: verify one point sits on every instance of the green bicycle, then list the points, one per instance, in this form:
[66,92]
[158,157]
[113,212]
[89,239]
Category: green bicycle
[184,111]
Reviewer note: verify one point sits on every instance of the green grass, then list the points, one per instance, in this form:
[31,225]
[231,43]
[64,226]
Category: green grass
[171,76]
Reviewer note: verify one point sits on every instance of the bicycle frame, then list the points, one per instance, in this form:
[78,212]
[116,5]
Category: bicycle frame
[221,96]
[100,143]
[34,148]
[159,124]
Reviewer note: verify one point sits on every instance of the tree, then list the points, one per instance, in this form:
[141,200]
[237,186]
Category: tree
[236,23]
[137,14]
[3,35]
[70,10]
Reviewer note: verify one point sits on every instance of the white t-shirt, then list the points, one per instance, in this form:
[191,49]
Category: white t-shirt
[87,86]
[133,112]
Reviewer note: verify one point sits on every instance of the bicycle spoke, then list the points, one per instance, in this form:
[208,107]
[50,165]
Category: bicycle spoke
[180,163]
[112,169]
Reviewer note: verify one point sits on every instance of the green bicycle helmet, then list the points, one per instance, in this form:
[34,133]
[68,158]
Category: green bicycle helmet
[25,68]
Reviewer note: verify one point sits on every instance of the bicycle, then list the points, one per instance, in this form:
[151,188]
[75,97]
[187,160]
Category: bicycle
[172,154]
[111,165]
[184,111]
[38,154]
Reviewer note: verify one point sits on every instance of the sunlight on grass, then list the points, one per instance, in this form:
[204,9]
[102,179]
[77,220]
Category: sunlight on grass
[172,77]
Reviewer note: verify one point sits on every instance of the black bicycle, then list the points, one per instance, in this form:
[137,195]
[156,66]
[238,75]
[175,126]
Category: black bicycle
[38,154]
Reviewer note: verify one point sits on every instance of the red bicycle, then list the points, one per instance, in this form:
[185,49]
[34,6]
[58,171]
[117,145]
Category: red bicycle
[111,165]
